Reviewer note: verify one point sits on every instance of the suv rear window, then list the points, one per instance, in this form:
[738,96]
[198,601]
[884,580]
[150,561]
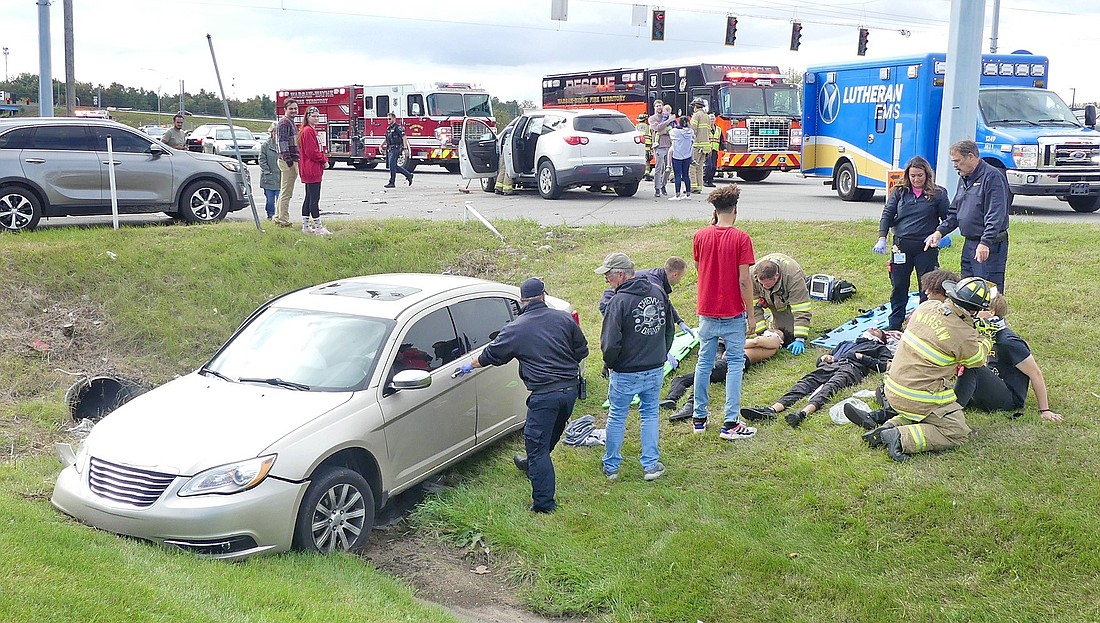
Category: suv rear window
[603,124]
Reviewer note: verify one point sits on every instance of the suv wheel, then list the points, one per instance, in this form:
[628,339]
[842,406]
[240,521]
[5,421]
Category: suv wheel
[203,202]
[627,190]
[19,208]
[337,512]
[548,181]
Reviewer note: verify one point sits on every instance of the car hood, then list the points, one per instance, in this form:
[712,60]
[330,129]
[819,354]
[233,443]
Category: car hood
[197,422]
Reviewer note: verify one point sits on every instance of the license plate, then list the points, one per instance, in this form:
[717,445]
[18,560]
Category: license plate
[1080,188]
[615,171]
[769,132]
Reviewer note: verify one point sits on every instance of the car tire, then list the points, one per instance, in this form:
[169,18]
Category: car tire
[548,181]
[365,166]
[489,184]
[627,190]
[337,512]
[1084,203]
[753,175]
[845,182]
[20,209]
[203,201]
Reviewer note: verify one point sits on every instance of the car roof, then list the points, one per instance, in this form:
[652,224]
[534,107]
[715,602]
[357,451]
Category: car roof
[386,295]
[26,121]
[577,112]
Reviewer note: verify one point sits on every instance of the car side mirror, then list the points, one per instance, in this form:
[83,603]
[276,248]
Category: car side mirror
[157,150]
[1090,115]
[411,379]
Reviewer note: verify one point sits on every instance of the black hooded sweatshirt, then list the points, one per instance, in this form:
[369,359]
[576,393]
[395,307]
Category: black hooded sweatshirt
[637,327]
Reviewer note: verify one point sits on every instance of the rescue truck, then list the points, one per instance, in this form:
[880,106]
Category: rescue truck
[353,120]
[758,112]
[863,121]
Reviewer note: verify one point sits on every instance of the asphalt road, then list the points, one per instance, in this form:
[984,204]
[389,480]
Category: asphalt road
[348,193]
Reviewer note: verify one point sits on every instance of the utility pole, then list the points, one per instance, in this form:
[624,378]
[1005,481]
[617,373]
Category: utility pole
[70,63]
[996,21]
[45,71]
[959,115]
[5,64]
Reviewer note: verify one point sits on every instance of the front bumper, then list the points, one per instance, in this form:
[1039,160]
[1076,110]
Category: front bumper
[592,174]
[227,527]
[1046,184]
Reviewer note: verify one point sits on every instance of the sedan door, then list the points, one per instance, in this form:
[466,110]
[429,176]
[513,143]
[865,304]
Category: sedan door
[142,178]
[62,160]
[477,151]
[428,427]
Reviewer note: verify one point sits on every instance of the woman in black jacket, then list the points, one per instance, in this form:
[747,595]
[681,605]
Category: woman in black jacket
[914,209]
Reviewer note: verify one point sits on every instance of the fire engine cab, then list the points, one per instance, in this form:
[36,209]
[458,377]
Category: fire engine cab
[758,112]
[354,120]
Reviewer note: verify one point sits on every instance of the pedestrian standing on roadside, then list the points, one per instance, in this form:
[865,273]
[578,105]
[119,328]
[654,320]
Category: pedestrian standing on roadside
[710,167]
[660,124]
[396,143]
[286,132]
[174,136]
[269,170]
[700,127]
[682,138]
[312,168]
[549,346]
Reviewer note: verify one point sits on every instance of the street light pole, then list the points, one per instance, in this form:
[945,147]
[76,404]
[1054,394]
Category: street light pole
[5,64]
[1072,97]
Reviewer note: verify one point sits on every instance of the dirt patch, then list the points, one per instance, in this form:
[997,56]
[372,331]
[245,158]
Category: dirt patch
[470,583]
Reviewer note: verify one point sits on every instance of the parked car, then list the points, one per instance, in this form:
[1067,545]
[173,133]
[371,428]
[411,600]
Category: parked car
[555,150]
[57,166]
[195,137]
[155,131]
[324,404]
[219,140]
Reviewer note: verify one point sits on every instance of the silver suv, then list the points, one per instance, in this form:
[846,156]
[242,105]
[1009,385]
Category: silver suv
[55,166]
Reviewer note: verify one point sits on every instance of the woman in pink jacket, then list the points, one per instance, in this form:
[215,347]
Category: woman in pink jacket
[310,169]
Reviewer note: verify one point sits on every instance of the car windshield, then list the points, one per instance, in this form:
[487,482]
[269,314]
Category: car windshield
[242,134]
[1025,107]
[781,101]
[445,105]
[323,351]
[603,124]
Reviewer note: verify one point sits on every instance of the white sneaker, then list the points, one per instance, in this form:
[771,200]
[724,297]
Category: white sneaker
[322,231]
[306,229]
[676,198]
[739,431]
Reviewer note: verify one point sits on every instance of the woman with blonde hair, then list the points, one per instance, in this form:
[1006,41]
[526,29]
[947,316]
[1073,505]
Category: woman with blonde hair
[270,177]
[914,209]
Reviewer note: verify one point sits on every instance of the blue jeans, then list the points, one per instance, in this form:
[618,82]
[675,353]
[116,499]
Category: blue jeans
[992,269]
[624,386]
[391,161]
[732,331]
[547,415]
[680,172]
[272,195]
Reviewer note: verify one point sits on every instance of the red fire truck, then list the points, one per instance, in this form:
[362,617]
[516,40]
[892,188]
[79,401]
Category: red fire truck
[758,112]
[353,120]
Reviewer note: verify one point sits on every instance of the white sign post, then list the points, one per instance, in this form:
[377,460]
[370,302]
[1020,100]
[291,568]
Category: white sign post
[111,176]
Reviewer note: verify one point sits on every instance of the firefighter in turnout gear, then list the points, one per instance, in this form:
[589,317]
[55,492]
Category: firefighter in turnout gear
[920,383]
[700,124]
[779,288]
[710,167]
[504,184]
[646,131]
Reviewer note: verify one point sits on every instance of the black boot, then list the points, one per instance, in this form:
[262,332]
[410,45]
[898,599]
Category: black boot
[755,414]
[794,418]
[520,462]
[891,438]
[860,417]
[685,412]
[874,438]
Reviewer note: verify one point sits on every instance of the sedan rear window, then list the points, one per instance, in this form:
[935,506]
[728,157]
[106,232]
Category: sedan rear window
[603,124]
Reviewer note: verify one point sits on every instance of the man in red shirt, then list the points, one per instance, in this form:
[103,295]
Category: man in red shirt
[723,255]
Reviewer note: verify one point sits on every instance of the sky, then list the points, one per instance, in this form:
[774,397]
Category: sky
[506,46]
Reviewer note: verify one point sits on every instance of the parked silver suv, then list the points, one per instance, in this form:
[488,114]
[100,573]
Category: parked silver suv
[55,166]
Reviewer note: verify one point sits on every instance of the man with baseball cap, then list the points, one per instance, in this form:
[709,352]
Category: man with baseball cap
[549,346]
[637,334]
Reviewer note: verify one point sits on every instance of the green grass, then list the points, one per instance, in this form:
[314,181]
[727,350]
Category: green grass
[802,525]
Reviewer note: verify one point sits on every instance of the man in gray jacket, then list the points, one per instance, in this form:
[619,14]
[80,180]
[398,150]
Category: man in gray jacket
[636,337]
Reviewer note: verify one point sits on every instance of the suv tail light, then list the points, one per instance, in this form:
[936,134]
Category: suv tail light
[576,140]
[639,139]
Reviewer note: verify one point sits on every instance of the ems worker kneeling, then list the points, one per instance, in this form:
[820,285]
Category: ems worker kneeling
[549,346]
[939,337]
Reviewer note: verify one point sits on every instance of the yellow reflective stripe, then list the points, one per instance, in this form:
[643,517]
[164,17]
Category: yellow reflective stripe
[930,353]
[917,395]
[800,307]
[801,331]
[761,325]
[978,357]
[918,438]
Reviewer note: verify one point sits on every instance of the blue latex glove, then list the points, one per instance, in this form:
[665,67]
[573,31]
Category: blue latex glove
[945,242]
[683,325]
[463,370]
[879,248]
[797,347]
[672,361]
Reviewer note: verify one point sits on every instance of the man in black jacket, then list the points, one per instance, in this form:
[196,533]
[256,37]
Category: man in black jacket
[666,278]
[637,334]
[549,345]
[845,366]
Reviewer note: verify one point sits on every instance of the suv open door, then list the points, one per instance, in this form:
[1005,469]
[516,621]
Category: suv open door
[478,153]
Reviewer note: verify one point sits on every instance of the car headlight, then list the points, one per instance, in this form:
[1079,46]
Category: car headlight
[1025,156]
[231,478]
[231,166]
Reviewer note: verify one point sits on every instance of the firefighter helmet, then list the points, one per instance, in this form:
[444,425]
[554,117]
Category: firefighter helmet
[698,102]
[643,117]
[972,293]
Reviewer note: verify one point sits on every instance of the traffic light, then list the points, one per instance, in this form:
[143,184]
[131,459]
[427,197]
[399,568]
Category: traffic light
[862,49]
[796,36]
[658,33]
[731,30]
